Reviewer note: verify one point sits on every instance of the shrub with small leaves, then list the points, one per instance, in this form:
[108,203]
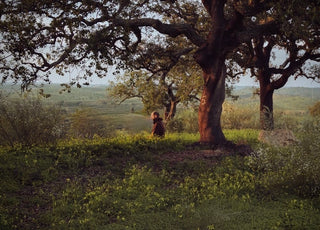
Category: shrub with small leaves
[185,121]
[295,168]
[27,121]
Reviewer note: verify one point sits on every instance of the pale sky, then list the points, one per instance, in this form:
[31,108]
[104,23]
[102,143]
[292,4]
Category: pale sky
[279,57]
[244,81]
[300,82]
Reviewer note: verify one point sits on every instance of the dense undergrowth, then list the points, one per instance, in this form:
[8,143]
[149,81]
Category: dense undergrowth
[125,183]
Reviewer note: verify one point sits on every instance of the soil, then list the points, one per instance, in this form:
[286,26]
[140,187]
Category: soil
[209,153]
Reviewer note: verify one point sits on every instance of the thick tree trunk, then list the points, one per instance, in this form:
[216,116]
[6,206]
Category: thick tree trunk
[211,57]
[266,106]
[210,108]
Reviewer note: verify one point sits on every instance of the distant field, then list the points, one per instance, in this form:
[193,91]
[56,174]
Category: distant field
[297,98]
[96,96]
[129,116]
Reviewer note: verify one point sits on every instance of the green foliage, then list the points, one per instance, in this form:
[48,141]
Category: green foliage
[123,202]
[111,201]
[28,121]
[177,85]
[136,84]
[86,123]
[239,117]
[295,169]
[287,120]
[124,183]
[185,121]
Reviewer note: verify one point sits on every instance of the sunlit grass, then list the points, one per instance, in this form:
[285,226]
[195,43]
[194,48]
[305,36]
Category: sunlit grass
[122,182]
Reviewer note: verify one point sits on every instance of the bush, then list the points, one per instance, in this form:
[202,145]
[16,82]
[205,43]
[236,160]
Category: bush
[315,110]
[236,117]
[284,120]
[85,123]
[295,169]
[28,122]
[185,121]
[233,117]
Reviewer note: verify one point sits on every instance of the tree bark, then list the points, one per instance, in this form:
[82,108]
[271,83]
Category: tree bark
[266,102]
[211,57]
[212,62]
[210,108]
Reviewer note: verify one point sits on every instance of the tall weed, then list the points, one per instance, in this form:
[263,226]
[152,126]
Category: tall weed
[185,121]
[294,169]
[236,117]
[27,121]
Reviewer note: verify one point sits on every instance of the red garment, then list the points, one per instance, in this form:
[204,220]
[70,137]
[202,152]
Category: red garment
[158,128]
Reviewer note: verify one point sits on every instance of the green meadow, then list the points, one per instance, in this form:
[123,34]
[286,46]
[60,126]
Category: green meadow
[129,116]
[128,180]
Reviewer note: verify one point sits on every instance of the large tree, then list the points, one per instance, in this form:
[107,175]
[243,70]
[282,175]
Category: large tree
[157,93]
[298,38]
[80,36]
[163,78]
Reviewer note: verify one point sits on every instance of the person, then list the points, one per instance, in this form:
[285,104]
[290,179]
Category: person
[158,129]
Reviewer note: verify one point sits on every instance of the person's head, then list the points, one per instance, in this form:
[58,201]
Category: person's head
[155,115]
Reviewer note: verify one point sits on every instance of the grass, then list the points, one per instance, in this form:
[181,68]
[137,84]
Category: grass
[132,181]
[125,183]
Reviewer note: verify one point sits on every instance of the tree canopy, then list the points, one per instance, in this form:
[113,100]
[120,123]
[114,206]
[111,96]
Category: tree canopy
[297,37]
[86,37]
[89,36]
[166,79]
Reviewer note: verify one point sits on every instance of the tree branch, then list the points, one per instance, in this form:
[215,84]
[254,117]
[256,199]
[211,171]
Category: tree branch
[290,70]
[173,30]
[256,31]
